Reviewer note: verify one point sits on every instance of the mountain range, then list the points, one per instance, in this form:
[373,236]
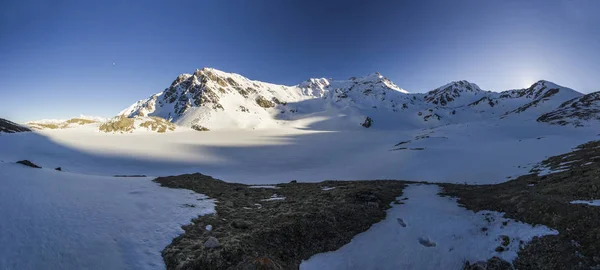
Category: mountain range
[212,99]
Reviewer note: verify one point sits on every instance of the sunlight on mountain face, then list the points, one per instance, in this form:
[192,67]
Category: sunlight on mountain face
[527,81]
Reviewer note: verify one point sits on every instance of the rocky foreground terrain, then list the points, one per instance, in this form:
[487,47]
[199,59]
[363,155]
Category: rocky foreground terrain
[309,218]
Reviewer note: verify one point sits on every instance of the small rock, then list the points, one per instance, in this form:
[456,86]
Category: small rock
[401,222]
[208,228]
[28,163]
[58,169]
[499,249]
[367,123]
[426,242]
[293,182]
[212,242]
[239,224]
[505,240]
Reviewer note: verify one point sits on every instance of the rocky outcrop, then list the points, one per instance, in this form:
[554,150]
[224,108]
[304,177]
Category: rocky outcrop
[11,127]
[122,124]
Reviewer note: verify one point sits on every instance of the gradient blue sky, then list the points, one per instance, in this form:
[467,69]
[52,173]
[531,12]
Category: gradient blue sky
[56,57]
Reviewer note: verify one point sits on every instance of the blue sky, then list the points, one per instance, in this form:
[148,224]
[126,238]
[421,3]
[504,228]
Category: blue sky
[56,57]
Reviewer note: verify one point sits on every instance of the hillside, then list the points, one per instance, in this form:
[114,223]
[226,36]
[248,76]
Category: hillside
[62,124]
[11,127]
[577,111]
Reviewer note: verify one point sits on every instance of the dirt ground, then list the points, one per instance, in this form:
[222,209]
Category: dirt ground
[256,230]
[546,200]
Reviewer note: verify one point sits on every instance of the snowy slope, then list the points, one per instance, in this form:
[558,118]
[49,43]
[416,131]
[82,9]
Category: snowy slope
[477,152]
[213,99]
[541,97]
[429,232]
[61,220]
[577,111]
[455,94]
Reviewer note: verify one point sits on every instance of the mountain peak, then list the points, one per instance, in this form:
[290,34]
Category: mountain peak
[453,91]
[377,78]
[542,83]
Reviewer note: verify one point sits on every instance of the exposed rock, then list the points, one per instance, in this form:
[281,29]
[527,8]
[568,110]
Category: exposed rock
[212,242]
[240,224]
[118,124]
[263,102]
[28,163]
[158,124]
[367,123]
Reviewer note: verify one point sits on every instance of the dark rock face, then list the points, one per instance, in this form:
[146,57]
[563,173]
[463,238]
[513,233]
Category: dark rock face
[11,127]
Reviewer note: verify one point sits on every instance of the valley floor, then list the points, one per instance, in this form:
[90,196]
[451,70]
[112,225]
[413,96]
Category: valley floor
[475,153]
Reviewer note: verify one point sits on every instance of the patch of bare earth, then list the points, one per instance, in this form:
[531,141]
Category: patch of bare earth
[546,200]
[275,228]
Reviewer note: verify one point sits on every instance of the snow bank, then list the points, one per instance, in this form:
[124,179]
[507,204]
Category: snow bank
[591,202]
[429,232]
[60,220]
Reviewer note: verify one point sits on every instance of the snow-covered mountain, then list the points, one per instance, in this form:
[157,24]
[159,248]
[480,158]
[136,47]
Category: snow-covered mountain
[213,99]
[455,94]
[11,127]
[577,111]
